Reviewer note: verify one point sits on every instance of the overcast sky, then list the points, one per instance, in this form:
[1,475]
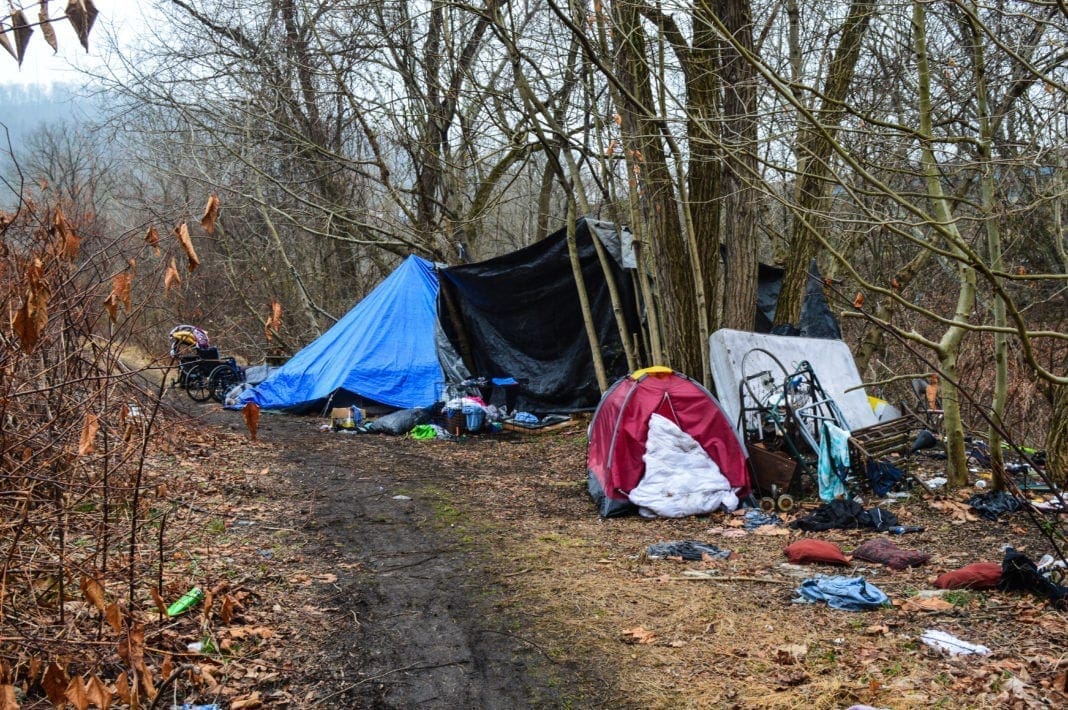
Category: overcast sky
[41,66]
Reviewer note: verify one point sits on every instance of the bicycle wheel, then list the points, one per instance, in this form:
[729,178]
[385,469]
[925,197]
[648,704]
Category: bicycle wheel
[222,378]
[198,387]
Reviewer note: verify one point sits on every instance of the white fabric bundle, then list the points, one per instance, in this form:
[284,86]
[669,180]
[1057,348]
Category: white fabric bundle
[680,477]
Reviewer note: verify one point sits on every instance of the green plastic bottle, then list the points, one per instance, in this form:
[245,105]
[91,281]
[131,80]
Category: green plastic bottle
[188,600]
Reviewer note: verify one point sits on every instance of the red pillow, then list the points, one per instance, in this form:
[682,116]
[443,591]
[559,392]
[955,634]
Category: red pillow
[810,550]
[978,575]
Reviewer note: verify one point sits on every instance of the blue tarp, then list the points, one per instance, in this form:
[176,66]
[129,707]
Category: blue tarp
[383,350]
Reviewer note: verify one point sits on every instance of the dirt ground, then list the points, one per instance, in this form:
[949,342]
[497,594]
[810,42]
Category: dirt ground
[372,571]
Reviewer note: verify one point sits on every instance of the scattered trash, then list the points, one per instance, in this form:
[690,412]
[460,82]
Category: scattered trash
[1052,568]
[401,497]
[951,644]
[525,418]
[883,476]
[812,551]
[936,482]
[846,515]
[195,647]
[994,504]
[1020,574]
[686,549]
[400,422]
[904,529]
[190,706]
[925,440]
[977,575]
[755,518]
[846,593]
[187,601]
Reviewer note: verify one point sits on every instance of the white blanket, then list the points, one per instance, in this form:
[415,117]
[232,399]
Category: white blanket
[680,478]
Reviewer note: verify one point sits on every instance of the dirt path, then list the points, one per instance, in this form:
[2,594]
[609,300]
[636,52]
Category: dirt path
[411,619]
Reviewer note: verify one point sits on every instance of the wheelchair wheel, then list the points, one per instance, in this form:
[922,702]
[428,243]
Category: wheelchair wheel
[198,387]
[222,379]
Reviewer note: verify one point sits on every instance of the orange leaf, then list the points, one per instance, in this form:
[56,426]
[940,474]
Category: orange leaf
[121,288]
[32,317]
[98,693]
[111,305]
[171,277]
[251,412]
[859,300]
[71,241]
[247,702]
[87,442]
[93,592]
[182,232]
[226,612]
[926,604]
[76,693]
[152,238]
[638,634]
[7,698]
[211,213]
[122,688]
[55,683]
[160,604]
[274,320]
[895,284]
[167,667]
[114,616]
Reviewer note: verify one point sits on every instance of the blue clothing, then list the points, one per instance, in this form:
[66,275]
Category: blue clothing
[833,465]
[848,593]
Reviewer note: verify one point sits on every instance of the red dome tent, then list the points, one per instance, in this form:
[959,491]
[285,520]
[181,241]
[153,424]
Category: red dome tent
[620,428]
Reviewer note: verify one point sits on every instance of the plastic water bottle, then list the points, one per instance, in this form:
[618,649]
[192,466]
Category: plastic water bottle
[187,601]
[902,529]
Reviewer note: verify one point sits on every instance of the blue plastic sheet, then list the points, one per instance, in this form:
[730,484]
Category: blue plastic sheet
[847,593]
[382,350]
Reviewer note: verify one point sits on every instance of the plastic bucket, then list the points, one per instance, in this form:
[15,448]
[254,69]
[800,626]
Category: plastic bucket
[474,419]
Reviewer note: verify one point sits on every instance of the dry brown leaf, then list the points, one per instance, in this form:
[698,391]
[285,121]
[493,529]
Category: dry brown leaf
[55,683]
[161,605]
[46,26]
[94,593]
[167,667]
[790,654]
[226,611]
[87,440]
[152,238]
[209,600]
[251,412]
[638,634]
[76,693]
[211,213]
[274,320]
[111,305]
[171,277]
[98,693]
[82,14]
[770,530]
[114,616]
[7,698]
[926,604]
[32,317]
[21,29]
[122,689]
[121,288]
[877,630]
[6,44]
[182,232]
[71,241]
[132,648]
[247,702]
[858,300]
[34,670]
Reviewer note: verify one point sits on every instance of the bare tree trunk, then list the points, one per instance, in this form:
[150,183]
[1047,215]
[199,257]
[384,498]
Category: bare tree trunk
[1057,436]
[813,156]
[739,139]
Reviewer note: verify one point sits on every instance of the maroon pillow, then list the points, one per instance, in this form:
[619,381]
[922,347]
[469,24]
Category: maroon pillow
[885,552]
[810,550]
[978,575]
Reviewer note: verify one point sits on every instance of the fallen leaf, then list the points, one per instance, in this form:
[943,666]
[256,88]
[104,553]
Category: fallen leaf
[98,693]
[790,654]
[87,441]
[246,702]
[55,683]
[770,530]
[926,604]
[226,610]
[877,630]
[7,698]
[638,634]
[93,592]
[122,688]
[161,605]
[114,616]
[858,300]
[76,694]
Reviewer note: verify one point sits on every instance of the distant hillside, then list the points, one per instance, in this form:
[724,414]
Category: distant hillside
[24,108]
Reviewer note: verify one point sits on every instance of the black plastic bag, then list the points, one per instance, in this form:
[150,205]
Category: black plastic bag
[400,422]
